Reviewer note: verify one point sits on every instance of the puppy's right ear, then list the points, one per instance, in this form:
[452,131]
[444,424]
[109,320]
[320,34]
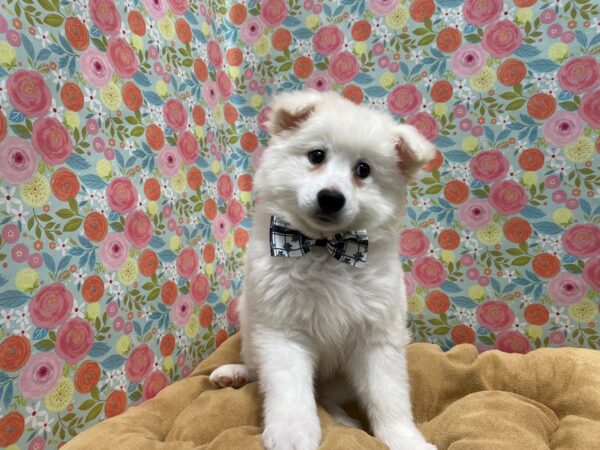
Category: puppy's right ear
[290,109]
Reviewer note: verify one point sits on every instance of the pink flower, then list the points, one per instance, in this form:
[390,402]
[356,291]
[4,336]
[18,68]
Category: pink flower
[121,195]
[220,227]
[468,60]
[18,161]
[508,197]
[51,306]
[235,212]
[153,384]
[138,229]
[404,100]
[157,9]
[428,272]
[187,262]
[512,342]
[168,161]
[589,109]
[382,7]
[582,240]
[563,128]
[224,85]
[501,38]
[482,12]
[413,242]
[96,68]
[179,7]
[40,375]
[567,289]
[20,253]
[215,56]
[591,272]
[105,16]
[199,288]
[122,57]
[495,315]
[328,40]
[426,124]
[343,67]
[188,147]
[74,340]
[114,251]
[10,233]
[409,284]
[319,81]
[489,166]
[51,140]
[475,213]
[175,114]
[251,30]
[232,314]
[225,186]
[28,93]
[139,363]
[273,12]
[209,92]
[579,75]
[182,310]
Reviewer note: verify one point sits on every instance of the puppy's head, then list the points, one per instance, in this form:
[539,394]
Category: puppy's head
[333,166]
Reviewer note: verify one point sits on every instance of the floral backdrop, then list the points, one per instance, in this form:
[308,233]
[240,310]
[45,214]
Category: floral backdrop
[129,133]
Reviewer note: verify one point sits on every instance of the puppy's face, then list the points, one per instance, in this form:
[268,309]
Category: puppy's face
[333,166]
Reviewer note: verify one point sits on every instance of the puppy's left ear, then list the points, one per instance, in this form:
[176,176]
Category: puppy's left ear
[290,109]
[413,150]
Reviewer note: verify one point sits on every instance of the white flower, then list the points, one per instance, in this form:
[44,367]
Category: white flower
[43,36]
[142,203]
[91,98]
[513,174]
[78,277]
[557,313]
[509,275]
[24,329]
[433,251]
[77,310]
[508,13]
[517,325]
[35,414]
[3,91]
[555,159]
[504,121]
[129,146]
[7,195]
[19,215]
[6,316]
[111,282]
[56,111]
[62,245]
[21,316]
[59,77]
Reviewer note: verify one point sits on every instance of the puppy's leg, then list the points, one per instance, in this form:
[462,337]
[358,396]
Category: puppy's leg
[286,381]
[378,373]
[232,375]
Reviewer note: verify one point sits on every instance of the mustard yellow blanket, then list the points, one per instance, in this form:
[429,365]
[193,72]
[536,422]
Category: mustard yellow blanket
[549,398]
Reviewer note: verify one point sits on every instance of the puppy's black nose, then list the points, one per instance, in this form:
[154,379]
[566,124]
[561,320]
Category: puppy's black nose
[330,201]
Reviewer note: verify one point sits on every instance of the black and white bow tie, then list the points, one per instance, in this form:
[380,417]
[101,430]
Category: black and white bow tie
[349,247]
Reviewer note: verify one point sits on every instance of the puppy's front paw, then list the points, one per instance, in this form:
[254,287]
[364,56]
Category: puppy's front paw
[406,438]
[232,375]
[294,435]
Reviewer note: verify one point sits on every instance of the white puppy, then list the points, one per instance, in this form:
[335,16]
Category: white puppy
[332,167]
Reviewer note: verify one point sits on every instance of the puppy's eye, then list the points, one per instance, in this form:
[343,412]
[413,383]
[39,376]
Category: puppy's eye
[362,170]
[316,156]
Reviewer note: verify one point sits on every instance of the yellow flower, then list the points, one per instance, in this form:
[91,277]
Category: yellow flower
[234,72]
[36,193]
[218,114]
[72,119]
[225,296]
[256,101]
[440,109]
[128,273]
[529,178]
[111,97]
[152,208]
[583,312]
[60,397]
[205,28]
[8,55]
[161,88]
[216,167]
[397,18]
[447,256]
[312,22]
[104,168]
[137,42]
[123,344]
[174,243]
[228,243]
[476,292]
[581,151]
[198,132]
[168,363]
[26,280]
[416,304]
[484,80]
[262,46]
[558,51]
[245,197]
[360,48]
[209,269]
[178,182]
[470,144]
[166,28]
[192,326]
[562,216]
[524,15]
[535,331]
[387,80]
[93,311]
[490,234]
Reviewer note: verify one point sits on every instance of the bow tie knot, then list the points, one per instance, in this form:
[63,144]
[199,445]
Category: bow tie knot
[349,247]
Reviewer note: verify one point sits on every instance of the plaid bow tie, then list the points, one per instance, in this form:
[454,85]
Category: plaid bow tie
[349,247]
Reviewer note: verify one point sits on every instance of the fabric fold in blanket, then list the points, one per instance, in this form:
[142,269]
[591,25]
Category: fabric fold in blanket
[549,398]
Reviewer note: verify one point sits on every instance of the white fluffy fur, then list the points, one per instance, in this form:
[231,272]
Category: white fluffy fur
[314,319]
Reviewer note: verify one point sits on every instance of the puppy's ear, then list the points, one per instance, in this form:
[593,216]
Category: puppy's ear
[290,109]
[413,149]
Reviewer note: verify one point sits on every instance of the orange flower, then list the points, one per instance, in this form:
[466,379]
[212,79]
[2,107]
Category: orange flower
[201,70]
[235,57]
[116,403]
[71,96]
[3,126]
[437,302]
[169,292]
[240,238]
[210,209]
[152,189]
[14,353]
[456,191]
[198,115]
[136,23]
[92,289]
[155,136]
[524,3]
[11,428]
[148,263]
[517,230]
[421,10]
[536,314]
[231,113]
[206,316]
[249,141]
[132,96]
[303,67]
[64,184]
[282,39]
[353,93]
[531,159]
[245,182]
[541,106]
[194,178]
[449,39]
[87,376]
[441,91]
[449,239]
[209,253]
[238,13]
[546,265]
[220,337]
[512,72]
[167,344]
[462,334]
[77,33]
[95,226]
[361,30]
[183,30]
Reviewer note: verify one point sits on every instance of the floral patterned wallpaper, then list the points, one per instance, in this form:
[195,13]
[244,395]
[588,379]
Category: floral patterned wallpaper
[129,133]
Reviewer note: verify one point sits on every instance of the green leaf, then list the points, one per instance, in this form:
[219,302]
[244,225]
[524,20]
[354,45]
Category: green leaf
[73,224]
[521,260]
[45,345]
[515,104]
[54,20]
[434,189]
[87,404]
[94,412]
[65,213]
[137,131]
[569,106]
[21,130]
[441,330]
[427,39]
